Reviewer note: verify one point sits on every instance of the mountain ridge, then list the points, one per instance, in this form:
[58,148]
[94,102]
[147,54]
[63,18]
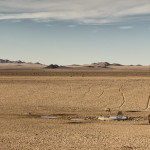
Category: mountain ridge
[18,62]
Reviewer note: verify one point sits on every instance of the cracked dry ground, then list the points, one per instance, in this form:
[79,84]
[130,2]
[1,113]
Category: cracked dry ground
[68,97]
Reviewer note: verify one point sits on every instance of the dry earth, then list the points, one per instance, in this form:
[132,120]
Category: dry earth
[23,99]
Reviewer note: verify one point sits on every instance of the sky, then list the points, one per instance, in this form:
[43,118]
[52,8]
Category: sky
[75,31]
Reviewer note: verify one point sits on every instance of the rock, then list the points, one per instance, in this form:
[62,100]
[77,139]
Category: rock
[52,66]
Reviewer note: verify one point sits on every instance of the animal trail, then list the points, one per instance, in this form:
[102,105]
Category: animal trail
[147,105]
[123,98]
[103,92]
[89,90]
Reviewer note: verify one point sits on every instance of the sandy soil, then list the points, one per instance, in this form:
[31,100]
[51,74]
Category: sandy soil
[24,99]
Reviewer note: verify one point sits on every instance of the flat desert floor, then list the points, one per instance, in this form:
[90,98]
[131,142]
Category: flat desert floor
[24,99]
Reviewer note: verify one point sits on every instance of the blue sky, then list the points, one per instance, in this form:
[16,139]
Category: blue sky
[75,31]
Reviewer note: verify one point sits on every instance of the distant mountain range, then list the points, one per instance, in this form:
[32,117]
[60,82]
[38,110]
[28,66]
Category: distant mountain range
[103,64]
[18,61]
[93,65]
[96,65]
[54,66]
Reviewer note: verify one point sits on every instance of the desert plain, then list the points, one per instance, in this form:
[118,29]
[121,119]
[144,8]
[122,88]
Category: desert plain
[26,95]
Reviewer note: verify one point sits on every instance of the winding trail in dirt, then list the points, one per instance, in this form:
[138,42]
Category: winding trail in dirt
[148,102]
[123,98]
[101,93]
[88,91]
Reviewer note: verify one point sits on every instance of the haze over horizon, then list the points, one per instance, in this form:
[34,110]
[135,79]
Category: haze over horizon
[68,32]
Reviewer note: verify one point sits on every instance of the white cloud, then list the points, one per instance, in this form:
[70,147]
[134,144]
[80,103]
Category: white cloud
[81,11]
[72,26]
[126,27]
